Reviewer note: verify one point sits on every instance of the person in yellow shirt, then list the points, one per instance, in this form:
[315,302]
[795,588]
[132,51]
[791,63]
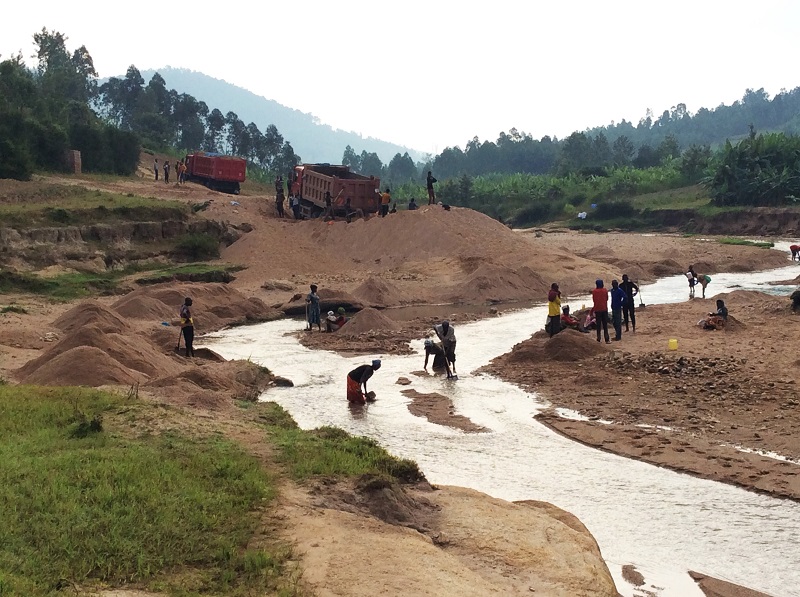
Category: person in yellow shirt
[187,326]
[386,199]
[554,310]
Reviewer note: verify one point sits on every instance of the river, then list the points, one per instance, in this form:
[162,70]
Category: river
[663,522]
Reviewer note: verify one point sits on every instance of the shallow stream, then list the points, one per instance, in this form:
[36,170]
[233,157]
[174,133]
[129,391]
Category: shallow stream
[663,522]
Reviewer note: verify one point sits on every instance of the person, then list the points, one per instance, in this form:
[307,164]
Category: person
[279,184]
[295,204]
[717,320]
[166,171]
[618,298]
[312,311]
[795,249]
[590,322]
[177,172]
[795,298]
[279,205]
[386,199]
[600,308]
[431,193]
[328,213]
[187,326]
[182,173]
[357,378]
[567,321]
[704,281]
[335,321]
[447,336]
[554,310]
[412,205]
[394,208]
[155,169]
[692,277]
[350,211]
[628,309]
[439,357]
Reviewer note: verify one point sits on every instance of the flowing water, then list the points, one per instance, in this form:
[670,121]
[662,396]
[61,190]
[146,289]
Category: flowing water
[663,522]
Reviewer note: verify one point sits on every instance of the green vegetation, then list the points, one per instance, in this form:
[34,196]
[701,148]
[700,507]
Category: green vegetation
[197,247]
[750,243]
[14,309]
[329,451]
[83,503]
[48,205]
[195,272]
[65,287]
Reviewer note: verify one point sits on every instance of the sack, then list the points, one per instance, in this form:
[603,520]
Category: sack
[707,279]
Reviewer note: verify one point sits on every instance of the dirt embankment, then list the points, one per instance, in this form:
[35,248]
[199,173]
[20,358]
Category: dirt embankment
[711,408]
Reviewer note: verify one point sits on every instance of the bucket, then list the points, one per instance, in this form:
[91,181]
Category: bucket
[673,344]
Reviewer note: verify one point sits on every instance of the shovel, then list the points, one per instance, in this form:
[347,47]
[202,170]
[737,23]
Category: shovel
[178,347]
[641,304]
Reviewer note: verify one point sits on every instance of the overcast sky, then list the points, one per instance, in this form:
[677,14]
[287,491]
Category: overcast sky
[434,74]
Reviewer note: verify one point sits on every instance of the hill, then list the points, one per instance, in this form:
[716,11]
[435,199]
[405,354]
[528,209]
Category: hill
[313,141]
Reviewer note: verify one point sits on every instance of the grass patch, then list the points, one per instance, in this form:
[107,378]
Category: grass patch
[193,272]
[197,247]
[50,205]
[68,286]
[14,309]
[331,452]
[691,197]
[82,504]
[730,240]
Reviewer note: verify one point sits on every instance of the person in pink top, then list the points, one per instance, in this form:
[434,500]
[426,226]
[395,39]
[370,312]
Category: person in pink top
[795,249]
[600,307]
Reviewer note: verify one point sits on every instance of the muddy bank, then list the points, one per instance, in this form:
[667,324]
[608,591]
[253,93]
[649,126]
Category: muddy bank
[439,409]
[698,409]
[713,587]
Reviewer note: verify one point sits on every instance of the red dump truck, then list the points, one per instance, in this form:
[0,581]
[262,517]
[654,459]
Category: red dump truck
[219,172]
[312,180]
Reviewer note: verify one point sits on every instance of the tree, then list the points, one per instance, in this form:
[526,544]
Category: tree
[215,122]
[623,151]
[668,149]
[371,164]
[350,158]
[401,169]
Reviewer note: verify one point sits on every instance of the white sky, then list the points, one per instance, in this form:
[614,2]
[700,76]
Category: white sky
[434,74]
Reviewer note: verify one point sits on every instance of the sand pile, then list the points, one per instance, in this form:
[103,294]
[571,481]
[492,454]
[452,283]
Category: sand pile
[368,320]
[567,345]
[208,384]
[496,283]
[378,293]
[215,305]
[82,366]
[88,313]
[329,300]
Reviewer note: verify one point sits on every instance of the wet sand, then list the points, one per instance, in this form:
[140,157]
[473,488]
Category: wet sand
[439,409]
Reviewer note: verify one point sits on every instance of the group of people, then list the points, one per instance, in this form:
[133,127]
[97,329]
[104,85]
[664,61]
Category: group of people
[695,279]
[180,171]
[623,310]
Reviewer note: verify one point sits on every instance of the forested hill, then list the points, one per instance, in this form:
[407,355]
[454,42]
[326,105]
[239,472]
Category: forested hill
[314,141]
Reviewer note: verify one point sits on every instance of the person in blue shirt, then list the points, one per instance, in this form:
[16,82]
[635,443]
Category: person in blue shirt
[618,299]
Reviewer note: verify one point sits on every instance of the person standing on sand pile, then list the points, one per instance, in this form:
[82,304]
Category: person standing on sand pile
[631,290]
[357,378]
[386,199]
[187,326]
[431,193]
[412,205]
[600,308]
[554,310]
[618,299]
[312,309]
[279,204]
[155,170]
[447,336]
[166,171]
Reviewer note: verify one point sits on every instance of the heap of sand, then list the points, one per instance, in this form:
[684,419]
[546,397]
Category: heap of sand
[330,299]
[378,293]
[567,345]
[368,320]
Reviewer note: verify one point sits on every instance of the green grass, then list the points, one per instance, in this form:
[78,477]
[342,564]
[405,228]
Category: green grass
[51,205]
[691,197]
[192,272]
[730,240]
[331,452]
[86,505]
[66,287]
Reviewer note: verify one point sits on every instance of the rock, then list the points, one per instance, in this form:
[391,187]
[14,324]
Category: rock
[403,381]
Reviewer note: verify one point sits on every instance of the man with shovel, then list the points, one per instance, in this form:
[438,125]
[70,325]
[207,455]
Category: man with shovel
[628,307]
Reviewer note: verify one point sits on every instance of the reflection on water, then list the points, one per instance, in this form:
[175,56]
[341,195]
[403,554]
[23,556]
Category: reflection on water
[663,522]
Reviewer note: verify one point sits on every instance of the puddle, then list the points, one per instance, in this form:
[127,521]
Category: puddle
[663,522]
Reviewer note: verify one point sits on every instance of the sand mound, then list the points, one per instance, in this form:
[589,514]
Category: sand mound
[129,351]
[668,267]
[375,292]
[88,313]
[496,283]
[368,320]
[329,300]
[82,366]
[215,305]
[567,345]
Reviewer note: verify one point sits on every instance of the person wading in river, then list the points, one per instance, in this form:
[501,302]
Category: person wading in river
[357,379]
[600,308]
[447,336]
[439,358]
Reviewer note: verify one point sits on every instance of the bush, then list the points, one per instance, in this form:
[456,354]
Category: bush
[615,209]
[198,247]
